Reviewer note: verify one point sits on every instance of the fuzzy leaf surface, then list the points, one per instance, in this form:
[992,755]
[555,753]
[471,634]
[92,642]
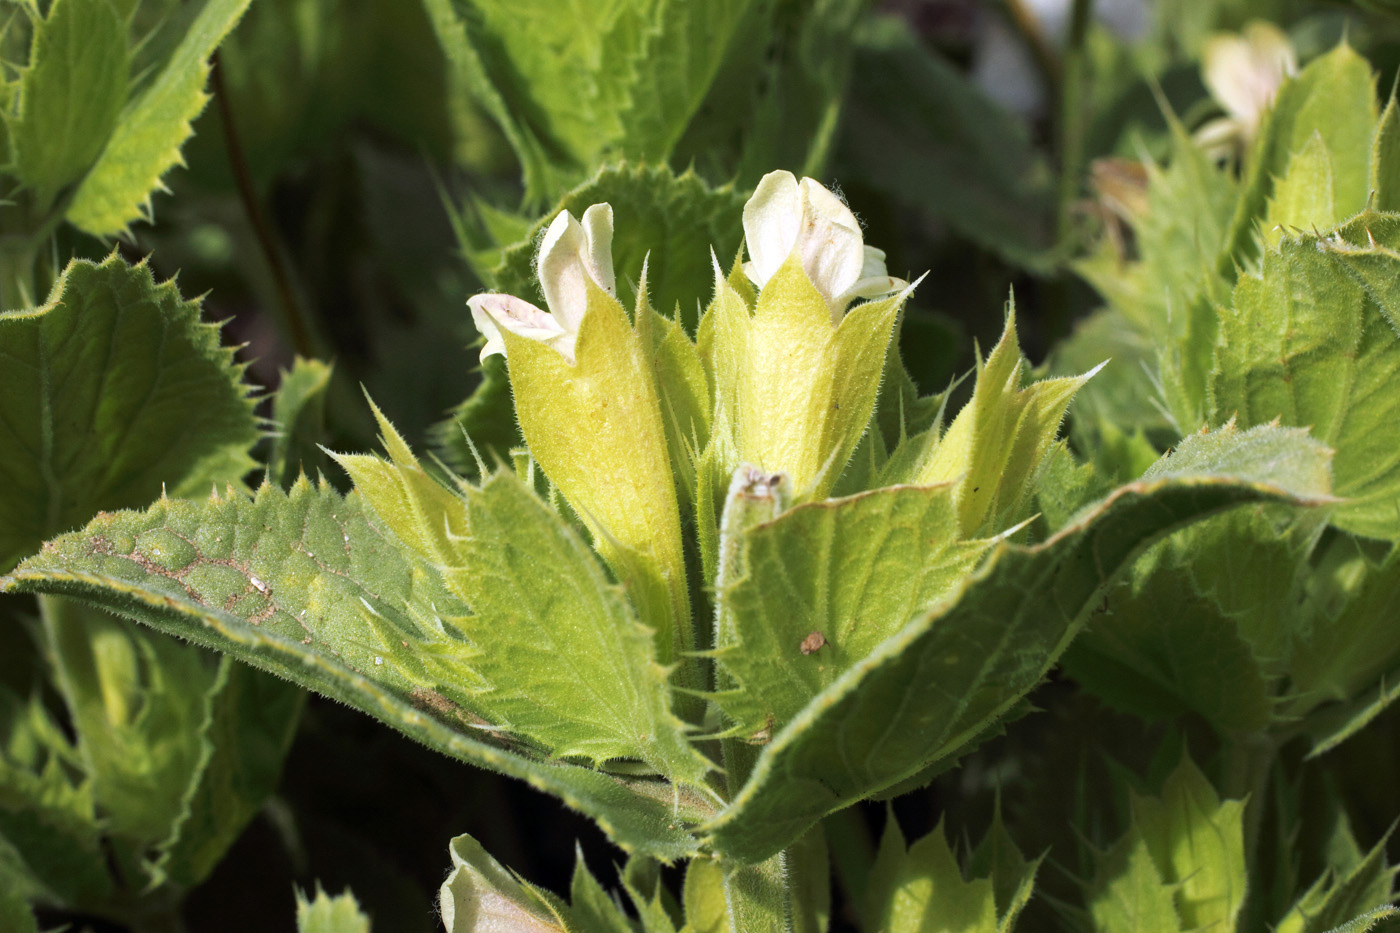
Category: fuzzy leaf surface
[110,391]
[572,85]
[943,680]
[304,585]
[853,571]
[558,652]
[1312,342]
[69,96]
[326,914]
[152,128]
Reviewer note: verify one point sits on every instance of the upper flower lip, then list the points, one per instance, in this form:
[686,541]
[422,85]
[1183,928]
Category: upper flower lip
[571,255]
[785,216]
[1243,73]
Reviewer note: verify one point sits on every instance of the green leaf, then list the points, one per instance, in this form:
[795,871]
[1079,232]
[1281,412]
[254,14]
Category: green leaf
[1208,617]
[253,722]
[69,96]
[1385,160]
[703,897]
[924,889]
[1013,877]
[1180,236]
[140,704]
[823,584]
[1303,196]
[326,914]
[299,412]
[1197,844]
[573,85]
[912,116]
[152,128]
[994,448]
[590,907]
[1310,342]
[1344,892]
[1129,895]
[1351,642]
[50,836]
[480,894]
[15,915]
[671,222]
[551,648]
[922,696]
[111,391]
[1334,97]
[1367,921]
[304,585]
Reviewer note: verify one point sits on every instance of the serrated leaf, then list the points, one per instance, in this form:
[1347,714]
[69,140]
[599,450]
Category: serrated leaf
[1012,875]
[941,682]
[923,889]
[69,96]
[1350,642]
[253,722]
[299,412]
[1307,344]
[1303,196]
[1197,843]
[1207,618]
[480,894]
[111,391]
[671,222]
[823,584]
[327,914]
[1367,921]
[152,128]
[1334,97]
[1344,892]
[50,845]
[1129,895]
[1385,160]
[559,653]
[571,86]
[304,585]
[140,705]
[995,446]
[590,907]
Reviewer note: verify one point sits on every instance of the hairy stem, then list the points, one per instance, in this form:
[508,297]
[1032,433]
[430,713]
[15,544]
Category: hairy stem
[247,194]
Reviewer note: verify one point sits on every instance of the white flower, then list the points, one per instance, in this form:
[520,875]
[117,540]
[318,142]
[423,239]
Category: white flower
[1243,73]
[785,216]
[570,255]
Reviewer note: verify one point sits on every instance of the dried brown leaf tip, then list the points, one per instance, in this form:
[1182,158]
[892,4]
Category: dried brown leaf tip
[813,642]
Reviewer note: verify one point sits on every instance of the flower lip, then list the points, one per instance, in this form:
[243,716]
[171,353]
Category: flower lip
[785,216]
[571,256]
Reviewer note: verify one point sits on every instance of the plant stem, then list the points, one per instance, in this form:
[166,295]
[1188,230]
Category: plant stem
[1072,114]
[247,193]
[757,897]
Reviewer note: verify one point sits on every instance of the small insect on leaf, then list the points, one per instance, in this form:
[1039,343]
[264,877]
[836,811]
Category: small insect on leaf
[813,642]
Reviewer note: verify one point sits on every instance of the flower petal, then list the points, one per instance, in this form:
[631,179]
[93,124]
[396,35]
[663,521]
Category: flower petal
[492,313]
[833,249]
[598,231]
[1244,72]
[772,223]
